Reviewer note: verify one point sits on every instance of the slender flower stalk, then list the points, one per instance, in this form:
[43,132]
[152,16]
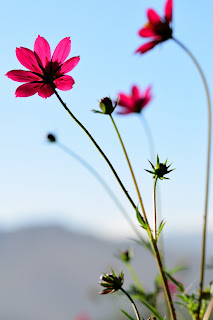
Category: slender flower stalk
[202,268]
[132,302]
[154,208]
[106,187]
[153,242]
[130,167]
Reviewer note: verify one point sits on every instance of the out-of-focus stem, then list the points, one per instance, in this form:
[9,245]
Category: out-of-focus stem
[149,136]
[207,171]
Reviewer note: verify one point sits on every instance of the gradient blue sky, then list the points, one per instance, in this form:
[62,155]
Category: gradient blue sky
[40,184]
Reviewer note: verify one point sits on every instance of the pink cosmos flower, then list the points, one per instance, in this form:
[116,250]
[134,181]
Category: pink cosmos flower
[134,102]
[44,72]
[157,28]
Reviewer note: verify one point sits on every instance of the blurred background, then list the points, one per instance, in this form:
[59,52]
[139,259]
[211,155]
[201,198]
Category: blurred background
[59,228]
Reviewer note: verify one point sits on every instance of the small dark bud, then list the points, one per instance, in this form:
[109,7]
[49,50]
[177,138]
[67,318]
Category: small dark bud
[111,282]
[152,318]
[51,137]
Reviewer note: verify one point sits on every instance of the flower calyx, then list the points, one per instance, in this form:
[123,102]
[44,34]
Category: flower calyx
[111,282]
[160,169]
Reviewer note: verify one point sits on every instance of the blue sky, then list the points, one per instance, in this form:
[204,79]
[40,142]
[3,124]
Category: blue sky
[39,183]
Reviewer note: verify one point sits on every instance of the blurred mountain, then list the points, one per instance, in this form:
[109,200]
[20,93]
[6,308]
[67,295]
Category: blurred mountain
[49,273]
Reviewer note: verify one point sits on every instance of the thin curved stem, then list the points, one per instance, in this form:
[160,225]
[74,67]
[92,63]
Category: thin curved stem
[106,187]
[131,170]
[154,209]
[152,152]
[96,145]
[153,242]
[207,171]
[132,302]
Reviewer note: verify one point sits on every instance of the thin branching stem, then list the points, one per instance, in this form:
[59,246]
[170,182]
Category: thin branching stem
[202,267]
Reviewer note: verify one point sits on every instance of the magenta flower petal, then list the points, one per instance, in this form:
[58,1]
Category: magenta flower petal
[64,83]
[147,32]
[135,93]
[125,101]
[147,46]
[27,89]
[45,73]
[27,58]
[68,65]
[168,10]
[135,102]
[42,50]
[62,50]
[22,76]
[147,95]
[153,17]
[45,91]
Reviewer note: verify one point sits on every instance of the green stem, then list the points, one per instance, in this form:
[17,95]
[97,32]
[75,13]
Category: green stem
[96,145]
[131,170]
[153,242]
[202,268]
[152,152]
[134,276]
[86,165]
[154,209]
[133,304]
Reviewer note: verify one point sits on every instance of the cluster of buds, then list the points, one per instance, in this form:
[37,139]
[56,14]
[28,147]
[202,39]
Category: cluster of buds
[111,282]
[160,169]
[107,106]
